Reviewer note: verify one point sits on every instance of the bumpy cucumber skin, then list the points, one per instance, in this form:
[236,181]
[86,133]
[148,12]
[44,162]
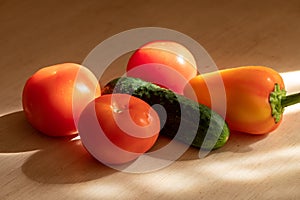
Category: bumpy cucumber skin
[181,111]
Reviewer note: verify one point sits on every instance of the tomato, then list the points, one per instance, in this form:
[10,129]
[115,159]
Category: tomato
[48,97]
[165,63]
[118,128]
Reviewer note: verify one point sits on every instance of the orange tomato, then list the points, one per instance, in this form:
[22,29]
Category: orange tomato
[118,128]
[165,63]
[48,97]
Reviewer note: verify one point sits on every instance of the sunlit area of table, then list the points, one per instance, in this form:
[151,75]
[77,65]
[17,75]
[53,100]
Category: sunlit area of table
[35,34]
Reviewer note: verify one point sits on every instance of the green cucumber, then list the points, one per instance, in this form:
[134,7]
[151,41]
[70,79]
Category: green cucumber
[186,120]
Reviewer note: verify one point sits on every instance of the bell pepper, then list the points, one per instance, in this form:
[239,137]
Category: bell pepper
[255,97]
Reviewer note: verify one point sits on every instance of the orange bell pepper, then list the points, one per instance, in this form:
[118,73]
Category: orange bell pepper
[255,97]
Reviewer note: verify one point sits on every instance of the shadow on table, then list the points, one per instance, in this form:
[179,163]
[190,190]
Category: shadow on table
[68,162]
[238,143]
[17,135]
[56,160]
[64,160]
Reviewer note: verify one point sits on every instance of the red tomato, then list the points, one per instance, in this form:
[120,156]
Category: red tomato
[165,63]
[117,128]
[48,97]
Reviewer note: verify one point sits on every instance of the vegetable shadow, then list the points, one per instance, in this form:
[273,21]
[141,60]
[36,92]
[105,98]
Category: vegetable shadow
[241,142]
[56,160]
[238,143]
[65,163]
[17,135]
[65,160]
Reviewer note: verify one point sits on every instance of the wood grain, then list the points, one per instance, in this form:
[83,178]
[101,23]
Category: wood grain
[35,34]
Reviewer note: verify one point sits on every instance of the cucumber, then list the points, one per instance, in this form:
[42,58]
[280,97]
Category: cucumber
[186,120]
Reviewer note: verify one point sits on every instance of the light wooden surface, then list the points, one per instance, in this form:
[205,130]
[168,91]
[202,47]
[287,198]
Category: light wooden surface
[34,34]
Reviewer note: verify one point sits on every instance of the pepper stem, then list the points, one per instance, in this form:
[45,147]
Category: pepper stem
[279,100]
[290,100]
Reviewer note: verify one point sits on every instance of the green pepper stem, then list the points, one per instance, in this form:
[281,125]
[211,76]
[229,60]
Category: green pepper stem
[290,100]
[275,100]
[278,101]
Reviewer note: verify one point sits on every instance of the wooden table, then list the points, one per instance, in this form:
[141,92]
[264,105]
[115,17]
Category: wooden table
[35,34]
